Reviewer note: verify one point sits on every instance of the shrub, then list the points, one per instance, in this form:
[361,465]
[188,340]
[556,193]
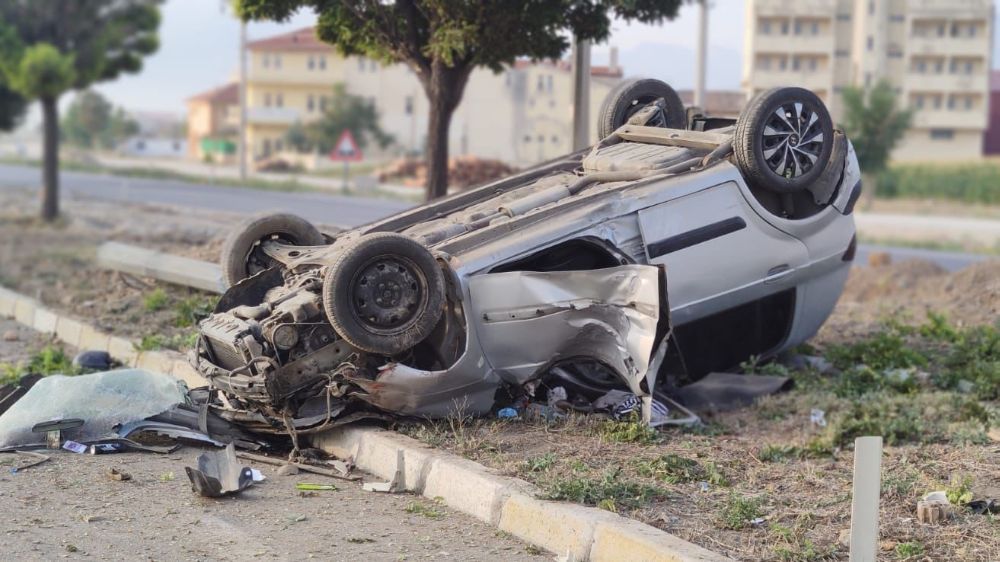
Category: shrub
[966,182]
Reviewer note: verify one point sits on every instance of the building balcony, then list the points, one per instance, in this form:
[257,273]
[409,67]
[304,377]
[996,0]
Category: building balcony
[272,115]
[299,76]
[793,44]
[949,119]
[950,46]
[818,80]
[948,83]
[950,9]
[814,8]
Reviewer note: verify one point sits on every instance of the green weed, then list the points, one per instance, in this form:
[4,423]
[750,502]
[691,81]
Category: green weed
[192,310]
[155,300]
[609,486]
[738,511]
[540,463]
[906,550]
[428,511]
[630,431]
[959,490]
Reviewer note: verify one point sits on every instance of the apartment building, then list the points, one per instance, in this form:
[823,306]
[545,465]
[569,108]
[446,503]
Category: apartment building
[521,115]
[935,53]
[213,121]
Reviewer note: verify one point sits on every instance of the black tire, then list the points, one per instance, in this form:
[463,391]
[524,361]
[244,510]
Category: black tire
[384,294]
[241,255]
[632,95]
[792,156]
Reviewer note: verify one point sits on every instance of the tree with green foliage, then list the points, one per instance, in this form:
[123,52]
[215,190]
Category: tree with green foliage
[443,41]
[50,46]
[875,125]
[12,107]
[92,122]
[344,112]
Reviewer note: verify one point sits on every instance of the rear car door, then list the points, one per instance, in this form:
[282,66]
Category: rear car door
[718,252]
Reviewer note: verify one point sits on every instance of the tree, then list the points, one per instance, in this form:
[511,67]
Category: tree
[92,122]
[12,106]
[345,111]
[50,46]
[875,125]
[442,41]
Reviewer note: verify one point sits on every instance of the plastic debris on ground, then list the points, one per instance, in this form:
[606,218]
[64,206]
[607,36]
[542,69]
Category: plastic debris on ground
[303,486]
[817,417]
[507,413]
[219,473]
[102,400]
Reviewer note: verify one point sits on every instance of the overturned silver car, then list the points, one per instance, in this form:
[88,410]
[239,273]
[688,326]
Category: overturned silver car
[678,245]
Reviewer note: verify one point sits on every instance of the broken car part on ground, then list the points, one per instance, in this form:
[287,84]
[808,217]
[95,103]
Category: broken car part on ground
[677,246]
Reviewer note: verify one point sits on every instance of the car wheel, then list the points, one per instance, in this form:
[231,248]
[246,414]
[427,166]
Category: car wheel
[384,294]
[783,140]
[242,255]
[632,95]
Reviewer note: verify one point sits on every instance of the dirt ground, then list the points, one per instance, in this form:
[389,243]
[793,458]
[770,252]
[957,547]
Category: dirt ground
[803,500]
[70,508]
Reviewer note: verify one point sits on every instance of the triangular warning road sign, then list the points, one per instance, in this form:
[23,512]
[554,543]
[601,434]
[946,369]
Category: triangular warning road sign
[346,149]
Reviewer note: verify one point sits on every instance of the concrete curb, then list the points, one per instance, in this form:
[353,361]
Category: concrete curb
[29,312]
[512,505]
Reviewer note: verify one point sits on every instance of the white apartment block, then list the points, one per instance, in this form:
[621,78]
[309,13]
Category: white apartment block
[935,53]
[521,115]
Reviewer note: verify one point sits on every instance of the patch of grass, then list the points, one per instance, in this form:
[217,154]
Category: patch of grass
[533,550]
[540,463]
[884,350]
[907,550]
[777,453]
[671,468]
[428,511]
[608,490]
[738,511]
[899,485]
[156,300]
[629,431]
[193,309]
[50,360]
[959,490]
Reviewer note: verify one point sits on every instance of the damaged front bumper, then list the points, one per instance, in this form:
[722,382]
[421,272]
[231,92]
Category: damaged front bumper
[501,329]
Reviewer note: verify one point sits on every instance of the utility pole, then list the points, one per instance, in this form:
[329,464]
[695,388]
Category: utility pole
[581,94]
[699,67]
[243,100]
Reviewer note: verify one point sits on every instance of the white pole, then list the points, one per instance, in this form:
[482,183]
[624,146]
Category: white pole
[864,508]
[243,101]
[699,67]
[581,94]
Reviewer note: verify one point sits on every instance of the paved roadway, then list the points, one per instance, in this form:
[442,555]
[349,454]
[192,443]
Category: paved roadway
[318,207]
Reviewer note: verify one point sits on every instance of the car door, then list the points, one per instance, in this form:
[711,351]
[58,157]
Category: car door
[718,252]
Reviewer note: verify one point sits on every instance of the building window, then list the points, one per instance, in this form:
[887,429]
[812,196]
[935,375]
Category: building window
[968,103]
[278,145]
[937,102]
[951,102]
[871,43]
[843,17]
[871,7]
[918,101]
[920,66]
[784,28]
[815,28]
[372,65]
[310,103]
[842,53]
[782,63]
[265,60]
[541,83]
[895,52]
[548,83]
[764,63]
[371,101]
[322,62]
[527,138]
[541,138]
[942,134]
[311,63]
[812,63]
[361,64]
[555,139]
[267,147]
[277,61]
[322,103]
[267,100]
[408,105]
[940,30]
[765,27]
[897,18]
[798,27]
[279,100]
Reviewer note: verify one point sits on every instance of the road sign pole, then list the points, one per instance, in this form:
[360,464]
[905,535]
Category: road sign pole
[347,173]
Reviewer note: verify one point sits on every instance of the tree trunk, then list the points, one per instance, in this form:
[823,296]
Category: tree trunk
[869,181]
[50,159]
[437,150]
[444,86]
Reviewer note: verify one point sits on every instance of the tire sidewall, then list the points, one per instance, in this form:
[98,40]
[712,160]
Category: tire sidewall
[242,240]
[615,109]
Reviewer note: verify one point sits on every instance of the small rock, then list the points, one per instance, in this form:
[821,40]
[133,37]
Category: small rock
[965,386]
[93,360]
[288,470]
[119,475]
[10,335]
[994,434]
[844,538]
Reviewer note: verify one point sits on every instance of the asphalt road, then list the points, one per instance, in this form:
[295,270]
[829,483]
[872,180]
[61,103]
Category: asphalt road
[317,207]
[325,208]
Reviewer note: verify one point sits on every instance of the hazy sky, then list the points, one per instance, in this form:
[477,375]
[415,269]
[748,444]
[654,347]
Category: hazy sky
[199,51]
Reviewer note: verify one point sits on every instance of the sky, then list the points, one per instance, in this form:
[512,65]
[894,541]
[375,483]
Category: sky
[199,50]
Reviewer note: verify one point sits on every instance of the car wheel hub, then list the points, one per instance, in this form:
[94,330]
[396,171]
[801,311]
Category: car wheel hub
[792,140]
[386,293]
